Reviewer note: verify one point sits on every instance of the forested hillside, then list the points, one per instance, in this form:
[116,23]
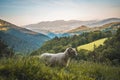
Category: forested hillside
[60,44]
[21,40]
[109,51]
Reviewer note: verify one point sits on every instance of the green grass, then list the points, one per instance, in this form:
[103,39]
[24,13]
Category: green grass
[32,69]
[90,46]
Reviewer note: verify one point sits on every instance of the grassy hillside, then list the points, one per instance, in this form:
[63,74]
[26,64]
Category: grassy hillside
[28,68]
[90,46]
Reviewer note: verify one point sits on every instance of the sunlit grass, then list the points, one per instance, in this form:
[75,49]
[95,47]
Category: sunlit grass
[3,29]
[90,46]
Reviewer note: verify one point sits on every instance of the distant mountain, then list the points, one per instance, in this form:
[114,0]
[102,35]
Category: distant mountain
[81,28]
[105,21]
[58,26]
[61,26]
[106,27]
[20,39]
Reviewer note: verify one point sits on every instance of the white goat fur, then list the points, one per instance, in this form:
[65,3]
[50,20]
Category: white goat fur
[61,59]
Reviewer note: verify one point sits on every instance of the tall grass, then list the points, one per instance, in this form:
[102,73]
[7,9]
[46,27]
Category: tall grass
[28,68]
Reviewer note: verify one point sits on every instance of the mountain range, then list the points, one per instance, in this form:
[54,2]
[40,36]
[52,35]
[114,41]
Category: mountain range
[21,40]
[108,26]
[61,26]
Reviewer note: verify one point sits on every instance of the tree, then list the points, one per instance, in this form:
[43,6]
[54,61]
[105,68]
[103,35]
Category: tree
[5,51]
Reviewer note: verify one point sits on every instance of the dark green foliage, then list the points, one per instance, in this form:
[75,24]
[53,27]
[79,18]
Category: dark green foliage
[82,55]
[5,51]
[60,44]
[110,50]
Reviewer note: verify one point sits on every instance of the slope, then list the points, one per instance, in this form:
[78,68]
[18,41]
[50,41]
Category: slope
[90,46]
[21,39]
[109,26]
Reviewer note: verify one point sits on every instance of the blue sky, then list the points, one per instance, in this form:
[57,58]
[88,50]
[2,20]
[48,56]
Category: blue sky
[23,12]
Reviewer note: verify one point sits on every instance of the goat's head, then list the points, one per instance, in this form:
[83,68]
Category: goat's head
[71,51]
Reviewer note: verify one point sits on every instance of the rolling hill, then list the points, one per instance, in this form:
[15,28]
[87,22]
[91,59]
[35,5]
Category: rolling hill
[81,28]
[109,26]
[20,39]
[104,21]
[90,46]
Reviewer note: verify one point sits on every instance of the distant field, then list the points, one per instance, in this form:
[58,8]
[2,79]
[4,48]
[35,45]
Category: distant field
[90,46]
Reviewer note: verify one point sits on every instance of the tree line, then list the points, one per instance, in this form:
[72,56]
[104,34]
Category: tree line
[60,44]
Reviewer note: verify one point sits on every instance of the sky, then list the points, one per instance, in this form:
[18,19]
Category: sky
[24,12]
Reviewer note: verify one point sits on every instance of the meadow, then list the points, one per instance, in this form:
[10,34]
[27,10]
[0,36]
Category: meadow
[90,46]
[28,68]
